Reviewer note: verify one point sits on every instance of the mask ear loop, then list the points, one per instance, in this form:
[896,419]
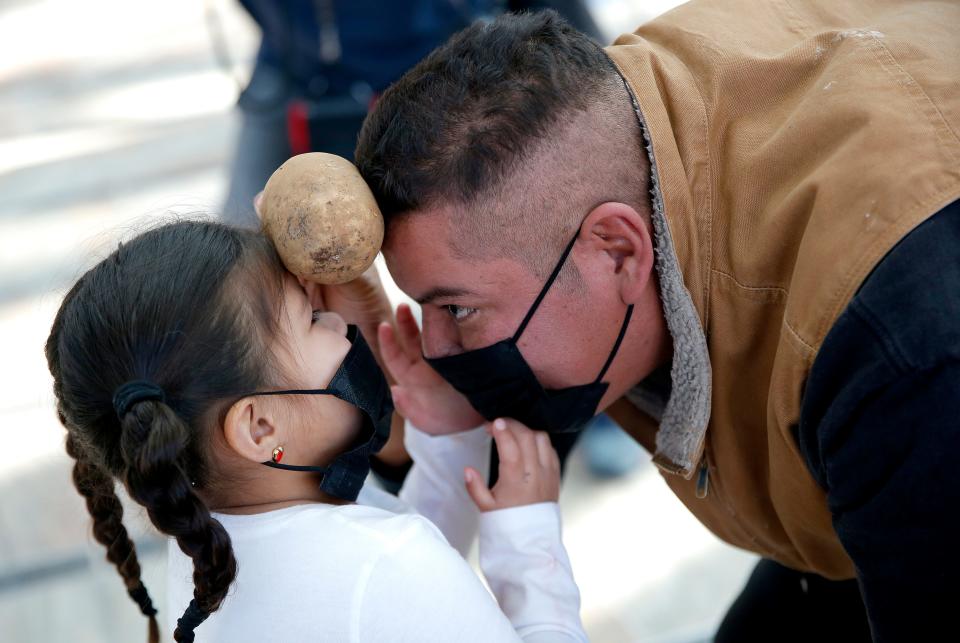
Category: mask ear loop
[296,467]
[293,391]
[298,391]
[616,344]
[543,293]
[546,287]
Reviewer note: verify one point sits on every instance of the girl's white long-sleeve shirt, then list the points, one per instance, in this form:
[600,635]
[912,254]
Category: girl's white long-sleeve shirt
[374,572]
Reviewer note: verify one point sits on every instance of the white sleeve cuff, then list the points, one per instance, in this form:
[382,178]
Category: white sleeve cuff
[435,485]
[528,570]
[470,441]
[516,524]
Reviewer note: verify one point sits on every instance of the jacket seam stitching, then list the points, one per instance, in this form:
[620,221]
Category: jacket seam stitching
[811,350]
[777,289]
[710,199]
[843,294]
[902,79]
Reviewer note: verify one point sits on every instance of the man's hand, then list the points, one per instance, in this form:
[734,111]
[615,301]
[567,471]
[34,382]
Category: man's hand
[529,469]
[420,394]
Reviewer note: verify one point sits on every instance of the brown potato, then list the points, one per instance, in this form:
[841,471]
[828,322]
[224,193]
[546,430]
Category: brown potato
[322,217]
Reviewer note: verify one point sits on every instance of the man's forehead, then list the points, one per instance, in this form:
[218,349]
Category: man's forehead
[427,266]
[418,254]
[413,238]
[408,226]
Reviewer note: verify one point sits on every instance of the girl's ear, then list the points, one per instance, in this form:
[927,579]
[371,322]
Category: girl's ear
[250,430]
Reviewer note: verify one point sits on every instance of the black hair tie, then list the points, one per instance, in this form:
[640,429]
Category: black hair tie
[135,391]
[187,623]
[142,598]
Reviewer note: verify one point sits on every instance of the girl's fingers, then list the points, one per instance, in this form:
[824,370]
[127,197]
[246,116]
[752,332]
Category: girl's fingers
[478,490]
[401,402]
[545,451]
[526,443]
[409,333]
[507,446]
[393,357]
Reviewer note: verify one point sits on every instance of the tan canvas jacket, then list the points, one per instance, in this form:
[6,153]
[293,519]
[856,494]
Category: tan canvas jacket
[792,145]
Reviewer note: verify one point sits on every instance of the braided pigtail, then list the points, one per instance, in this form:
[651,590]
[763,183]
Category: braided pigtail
[96,487]
[145,350]
[154,442]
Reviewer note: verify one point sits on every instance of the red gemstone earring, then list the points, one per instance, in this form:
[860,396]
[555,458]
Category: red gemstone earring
[278,454]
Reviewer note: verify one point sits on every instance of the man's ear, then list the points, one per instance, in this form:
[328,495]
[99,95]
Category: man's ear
[622,238]
[250,430]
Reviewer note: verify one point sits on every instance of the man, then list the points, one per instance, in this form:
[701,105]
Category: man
[735,230]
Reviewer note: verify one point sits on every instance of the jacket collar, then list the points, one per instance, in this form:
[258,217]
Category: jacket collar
[682,266]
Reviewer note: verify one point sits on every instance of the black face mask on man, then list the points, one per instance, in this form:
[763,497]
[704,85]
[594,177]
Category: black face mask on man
[498,382]
[360,382]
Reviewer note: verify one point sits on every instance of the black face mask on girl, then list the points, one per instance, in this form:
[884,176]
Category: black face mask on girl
[498,382]
[360,382]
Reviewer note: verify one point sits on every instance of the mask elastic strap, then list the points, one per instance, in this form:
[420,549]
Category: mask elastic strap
[546,287]
[297,391]
[616,345]
[297,467]
[293,391]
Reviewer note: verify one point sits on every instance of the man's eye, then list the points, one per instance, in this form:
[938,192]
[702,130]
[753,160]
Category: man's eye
[459,313]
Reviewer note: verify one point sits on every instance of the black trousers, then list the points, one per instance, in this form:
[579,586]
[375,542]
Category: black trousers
[783,605]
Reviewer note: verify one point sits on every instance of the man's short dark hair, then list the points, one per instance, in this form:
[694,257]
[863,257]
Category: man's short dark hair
[459,122]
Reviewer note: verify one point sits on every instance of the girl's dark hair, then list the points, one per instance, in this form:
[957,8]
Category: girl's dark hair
[184,308]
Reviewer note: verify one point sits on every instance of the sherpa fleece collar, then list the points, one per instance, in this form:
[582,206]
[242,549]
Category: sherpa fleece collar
[686,412]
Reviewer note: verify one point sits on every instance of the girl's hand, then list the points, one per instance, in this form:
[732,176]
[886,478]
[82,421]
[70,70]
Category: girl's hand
[529,469]
[420,394]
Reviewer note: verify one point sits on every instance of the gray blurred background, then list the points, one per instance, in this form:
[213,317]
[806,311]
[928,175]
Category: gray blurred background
[114,113]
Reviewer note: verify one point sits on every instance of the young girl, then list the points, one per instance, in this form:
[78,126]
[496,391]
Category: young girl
[188,360]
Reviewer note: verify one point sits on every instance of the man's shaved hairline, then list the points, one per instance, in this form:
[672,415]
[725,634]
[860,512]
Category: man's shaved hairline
[489,223]
[499,221]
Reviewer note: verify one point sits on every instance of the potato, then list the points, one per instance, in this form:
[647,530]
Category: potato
[322,218]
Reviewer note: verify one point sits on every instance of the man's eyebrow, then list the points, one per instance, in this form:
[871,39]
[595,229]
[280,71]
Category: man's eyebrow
[440,291]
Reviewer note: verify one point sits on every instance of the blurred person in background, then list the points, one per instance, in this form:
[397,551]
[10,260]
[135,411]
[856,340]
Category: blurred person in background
[322,63]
